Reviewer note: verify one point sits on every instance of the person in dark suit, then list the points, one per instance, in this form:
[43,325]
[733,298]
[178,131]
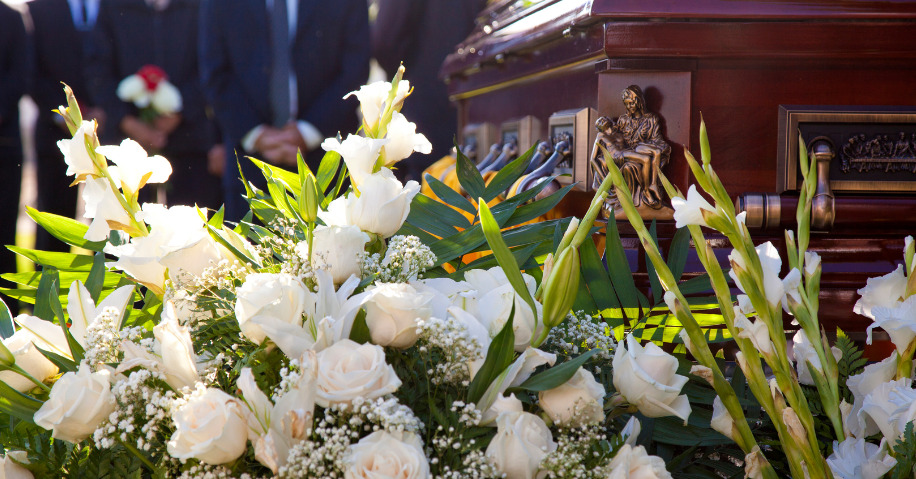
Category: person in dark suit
[14,71]
[421,33]
[276,90]
[60,29]
[129,35]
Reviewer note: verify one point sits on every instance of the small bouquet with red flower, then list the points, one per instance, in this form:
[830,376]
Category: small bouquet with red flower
[150,90]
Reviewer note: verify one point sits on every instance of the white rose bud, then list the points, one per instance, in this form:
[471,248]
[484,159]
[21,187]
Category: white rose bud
[857,459]
[393,311]
[577,402]
[521,442]
[502,404]
[276,297]
[27,356]
[385,455]
[78,403]
[348,370]
[634,462]
[11,468]
[647,378]
[210,427]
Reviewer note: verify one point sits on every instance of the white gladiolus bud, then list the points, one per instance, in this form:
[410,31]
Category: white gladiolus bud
[693,210]
[722,421]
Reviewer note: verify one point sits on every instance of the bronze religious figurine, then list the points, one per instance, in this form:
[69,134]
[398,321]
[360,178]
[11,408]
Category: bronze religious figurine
[636,145]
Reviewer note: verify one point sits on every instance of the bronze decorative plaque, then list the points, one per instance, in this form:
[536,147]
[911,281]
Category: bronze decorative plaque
[874,148]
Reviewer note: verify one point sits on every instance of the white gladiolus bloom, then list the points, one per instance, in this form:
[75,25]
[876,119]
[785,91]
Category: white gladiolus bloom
[880,409]
[359,154]
[373,99]
[812,261]
[899,322]
[770,263]
[886,291]
[790,285]
[857,459]
[403,140]
[103,207]
[647,378]
[756,331]
[721,420]
[861,385]
[630,431]
[79,163]
[134,168]
[690,211]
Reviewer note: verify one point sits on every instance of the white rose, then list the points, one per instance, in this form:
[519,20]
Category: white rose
[359,154]
[28,357]
[857,459]
[373,99]
[77,404]
[521,442]
[899,321]
[10,467]
[576,402]
[647,378]
[383,455]
[210,427]
[79,163]
[403,140]
[268,298]
[634,462]
[103,207]
[166,98]
[174,346]
[134,169]
[348,370]
[691,210]
[885,291]
[381,207]
[393,311]
[502,404]
[336,249]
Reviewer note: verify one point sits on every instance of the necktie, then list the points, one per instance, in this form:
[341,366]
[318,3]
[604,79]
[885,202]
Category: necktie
[84,13]
[280,63]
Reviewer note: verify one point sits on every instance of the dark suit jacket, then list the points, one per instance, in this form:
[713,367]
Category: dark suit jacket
[128,35]
[14,72]
[58,58]
[330,55]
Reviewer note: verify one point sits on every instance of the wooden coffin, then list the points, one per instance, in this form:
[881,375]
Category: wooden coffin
[757,71]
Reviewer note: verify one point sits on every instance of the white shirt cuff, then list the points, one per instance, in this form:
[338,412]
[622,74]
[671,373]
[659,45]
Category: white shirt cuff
[250,138]
[310,134]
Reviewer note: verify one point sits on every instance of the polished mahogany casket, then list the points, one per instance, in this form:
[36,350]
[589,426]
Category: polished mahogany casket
[843,74]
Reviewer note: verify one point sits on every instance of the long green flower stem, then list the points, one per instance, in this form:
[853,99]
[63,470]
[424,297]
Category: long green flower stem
[745,438]
[751,277]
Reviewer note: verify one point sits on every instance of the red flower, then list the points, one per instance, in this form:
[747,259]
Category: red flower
[152,75]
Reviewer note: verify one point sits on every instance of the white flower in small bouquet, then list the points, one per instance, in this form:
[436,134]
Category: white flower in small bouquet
[150,88]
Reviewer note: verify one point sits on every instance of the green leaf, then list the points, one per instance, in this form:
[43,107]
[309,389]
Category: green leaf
[504,256]
[499,356]
[62,363]
[596,278]
[449,196]
[360,331]
[76,350]
[96,278]
[508,174]
[469,177]
[48,282]
[619,270]
[16,404]
[537,208]
[217,220]
[277,190]
[65,229]
[6,321]
[327,170]
[287,178]
[448,220]
[654,282]
[61,261]
[558,375]
[677,252]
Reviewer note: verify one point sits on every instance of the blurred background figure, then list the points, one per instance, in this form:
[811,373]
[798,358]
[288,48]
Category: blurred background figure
[421,33]
[60,31]
[275,72]
[156,40]
[14,73]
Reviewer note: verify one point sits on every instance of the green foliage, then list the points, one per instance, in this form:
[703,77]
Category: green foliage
[905,453]
[851,363]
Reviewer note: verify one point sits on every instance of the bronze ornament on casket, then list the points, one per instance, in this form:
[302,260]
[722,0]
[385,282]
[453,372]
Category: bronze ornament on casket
[634,142]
